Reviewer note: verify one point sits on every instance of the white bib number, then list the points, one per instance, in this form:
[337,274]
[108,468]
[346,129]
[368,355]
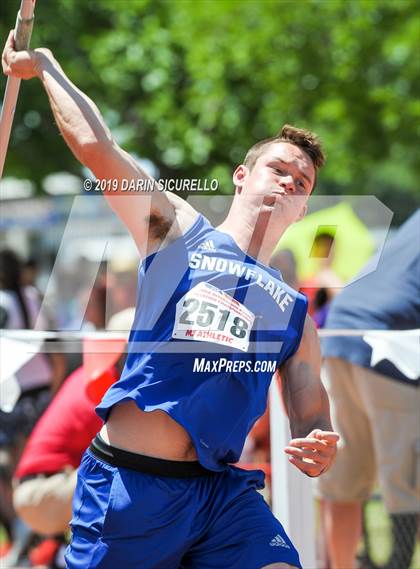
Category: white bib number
[208,314]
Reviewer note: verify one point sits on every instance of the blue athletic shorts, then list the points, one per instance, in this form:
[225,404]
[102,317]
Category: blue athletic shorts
[126,519]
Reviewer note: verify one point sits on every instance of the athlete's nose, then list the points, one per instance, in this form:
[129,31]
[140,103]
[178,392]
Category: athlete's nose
[287,183]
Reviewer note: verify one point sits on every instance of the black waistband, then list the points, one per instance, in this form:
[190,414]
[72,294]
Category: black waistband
[146,464]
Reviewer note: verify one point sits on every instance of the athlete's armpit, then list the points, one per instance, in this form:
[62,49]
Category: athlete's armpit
[159,226]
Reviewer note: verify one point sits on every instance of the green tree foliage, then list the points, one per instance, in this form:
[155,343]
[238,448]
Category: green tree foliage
[192,84]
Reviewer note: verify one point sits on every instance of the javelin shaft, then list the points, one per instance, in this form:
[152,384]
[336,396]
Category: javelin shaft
[23,30]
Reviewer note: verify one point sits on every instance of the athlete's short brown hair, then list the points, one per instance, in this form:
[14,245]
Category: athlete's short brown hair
[304,139]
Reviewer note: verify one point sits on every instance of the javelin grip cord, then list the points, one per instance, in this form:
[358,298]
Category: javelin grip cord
[23,32]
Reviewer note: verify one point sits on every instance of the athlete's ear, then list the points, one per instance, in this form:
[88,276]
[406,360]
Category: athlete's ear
[239,176]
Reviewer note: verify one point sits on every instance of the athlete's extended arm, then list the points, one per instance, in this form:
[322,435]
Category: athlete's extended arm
[314,444]
[149,216]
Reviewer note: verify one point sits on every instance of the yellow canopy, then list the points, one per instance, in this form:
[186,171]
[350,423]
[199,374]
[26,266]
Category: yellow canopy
[353,244]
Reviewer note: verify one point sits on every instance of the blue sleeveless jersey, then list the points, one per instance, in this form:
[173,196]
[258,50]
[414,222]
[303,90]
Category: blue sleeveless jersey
[211,326]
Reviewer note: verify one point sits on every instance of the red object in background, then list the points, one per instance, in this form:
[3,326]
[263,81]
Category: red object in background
[44,553]
[309,288]
[99,359]
[4,549]
[65,430]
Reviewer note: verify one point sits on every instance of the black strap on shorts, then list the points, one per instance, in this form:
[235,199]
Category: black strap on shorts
[146,464]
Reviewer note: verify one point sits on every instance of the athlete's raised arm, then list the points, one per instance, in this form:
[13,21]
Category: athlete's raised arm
[150,216]
[314,444]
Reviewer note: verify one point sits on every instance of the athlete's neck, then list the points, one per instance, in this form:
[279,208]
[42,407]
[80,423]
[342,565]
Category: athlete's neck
[252,232]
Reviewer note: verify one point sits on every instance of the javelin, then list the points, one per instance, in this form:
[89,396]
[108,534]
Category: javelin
[22,35]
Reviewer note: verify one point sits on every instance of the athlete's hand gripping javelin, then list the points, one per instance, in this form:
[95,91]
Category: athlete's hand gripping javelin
[22,64]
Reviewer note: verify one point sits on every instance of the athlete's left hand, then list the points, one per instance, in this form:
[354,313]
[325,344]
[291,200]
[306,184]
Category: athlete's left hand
[315,453]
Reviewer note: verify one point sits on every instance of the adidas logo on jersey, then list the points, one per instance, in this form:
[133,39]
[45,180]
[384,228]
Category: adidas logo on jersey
[207,245]
[278,541]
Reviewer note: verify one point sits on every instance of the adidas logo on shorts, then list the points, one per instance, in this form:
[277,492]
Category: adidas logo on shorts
[278,541]
[207,245]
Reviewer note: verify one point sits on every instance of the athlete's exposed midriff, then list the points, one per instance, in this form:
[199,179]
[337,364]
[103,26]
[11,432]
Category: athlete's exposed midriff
[153,433]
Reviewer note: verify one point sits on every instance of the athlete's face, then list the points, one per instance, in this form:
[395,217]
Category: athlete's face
[280,182]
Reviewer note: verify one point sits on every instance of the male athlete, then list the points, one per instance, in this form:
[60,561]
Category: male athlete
[156,489]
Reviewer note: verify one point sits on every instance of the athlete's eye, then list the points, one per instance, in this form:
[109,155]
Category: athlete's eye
[301,183]
[279,171]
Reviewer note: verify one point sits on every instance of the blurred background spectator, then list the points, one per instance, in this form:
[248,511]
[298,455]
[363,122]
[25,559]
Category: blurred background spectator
[45,477]
[375,396]
[325,283]
[38,379]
